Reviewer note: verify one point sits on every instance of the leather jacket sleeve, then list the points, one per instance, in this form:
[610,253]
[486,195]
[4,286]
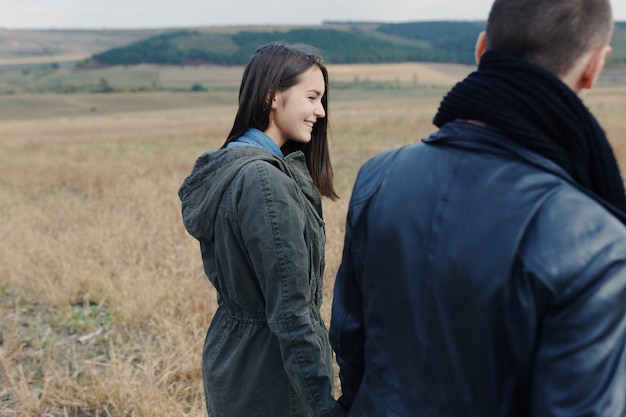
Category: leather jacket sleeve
[347,334]
[580,362]
[346,329]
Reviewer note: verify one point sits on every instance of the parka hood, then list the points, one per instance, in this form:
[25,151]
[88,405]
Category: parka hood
[202,190]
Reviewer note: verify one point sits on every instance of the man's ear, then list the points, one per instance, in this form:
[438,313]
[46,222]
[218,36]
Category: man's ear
[481,46]
[593,68]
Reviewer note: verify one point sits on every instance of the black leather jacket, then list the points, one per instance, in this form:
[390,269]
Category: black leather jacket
[478,280]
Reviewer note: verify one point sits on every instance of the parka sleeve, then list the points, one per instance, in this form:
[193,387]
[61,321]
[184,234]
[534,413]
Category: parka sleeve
[272,219]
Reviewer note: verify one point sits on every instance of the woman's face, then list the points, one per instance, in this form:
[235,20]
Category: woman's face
[295,110]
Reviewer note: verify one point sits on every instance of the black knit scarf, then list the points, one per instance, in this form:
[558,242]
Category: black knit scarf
[536,109]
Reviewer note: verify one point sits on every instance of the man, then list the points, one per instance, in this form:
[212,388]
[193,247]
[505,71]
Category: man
[484,269]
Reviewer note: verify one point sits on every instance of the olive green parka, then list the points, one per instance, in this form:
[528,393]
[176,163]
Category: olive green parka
[258,220]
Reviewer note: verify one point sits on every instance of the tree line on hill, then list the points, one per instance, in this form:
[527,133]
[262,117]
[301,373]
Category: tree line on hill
[339,44]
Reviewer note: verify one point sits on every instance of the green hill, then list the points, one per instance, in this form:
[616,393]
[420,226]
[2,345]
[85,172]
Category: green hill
[339,42]
[338,46]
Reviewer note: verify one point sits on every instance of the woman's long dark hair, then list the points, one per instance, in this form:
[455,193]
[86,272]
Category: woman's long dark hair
[277,67]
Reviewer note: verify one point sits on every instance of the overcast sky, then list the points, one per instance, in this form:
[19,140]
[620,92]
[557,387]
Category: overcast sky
[115,14]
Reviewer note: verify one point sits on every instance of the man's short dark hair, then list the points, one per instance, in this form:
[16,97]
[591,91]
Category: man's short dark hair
[550,33]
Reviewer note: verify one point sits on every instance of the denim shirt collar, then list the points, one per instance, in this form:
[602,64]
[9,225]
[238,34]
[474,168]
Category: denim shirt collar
[254,137]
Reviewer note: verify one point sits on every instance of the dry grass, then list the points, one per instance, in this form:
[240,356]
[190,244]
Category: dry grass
[103,301]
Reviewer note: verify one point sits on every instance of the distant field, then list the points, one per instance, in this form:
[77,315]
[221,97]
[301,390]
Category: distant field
[16,78]
[52,44]
[35,60]
[34,75]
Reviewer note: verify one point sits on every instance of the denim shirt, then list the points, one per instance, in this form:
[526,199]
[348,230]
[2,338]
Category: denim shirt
[254,137]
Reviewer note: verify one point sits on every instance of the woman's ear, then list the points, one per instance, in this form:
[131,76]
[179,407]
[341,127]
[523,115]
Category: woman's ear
[481,46]
[275,100]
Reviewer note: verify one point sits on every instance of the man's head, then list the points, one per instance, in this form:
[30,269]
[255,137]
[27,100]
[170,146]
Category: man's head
[553,34]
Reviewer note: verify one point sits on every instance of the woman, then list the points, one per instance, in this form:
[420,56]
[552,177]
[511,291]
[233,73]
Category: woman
[255,207]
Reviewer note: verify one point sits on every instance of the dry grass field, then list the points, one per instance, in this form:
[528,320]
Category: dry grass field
[103,301]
